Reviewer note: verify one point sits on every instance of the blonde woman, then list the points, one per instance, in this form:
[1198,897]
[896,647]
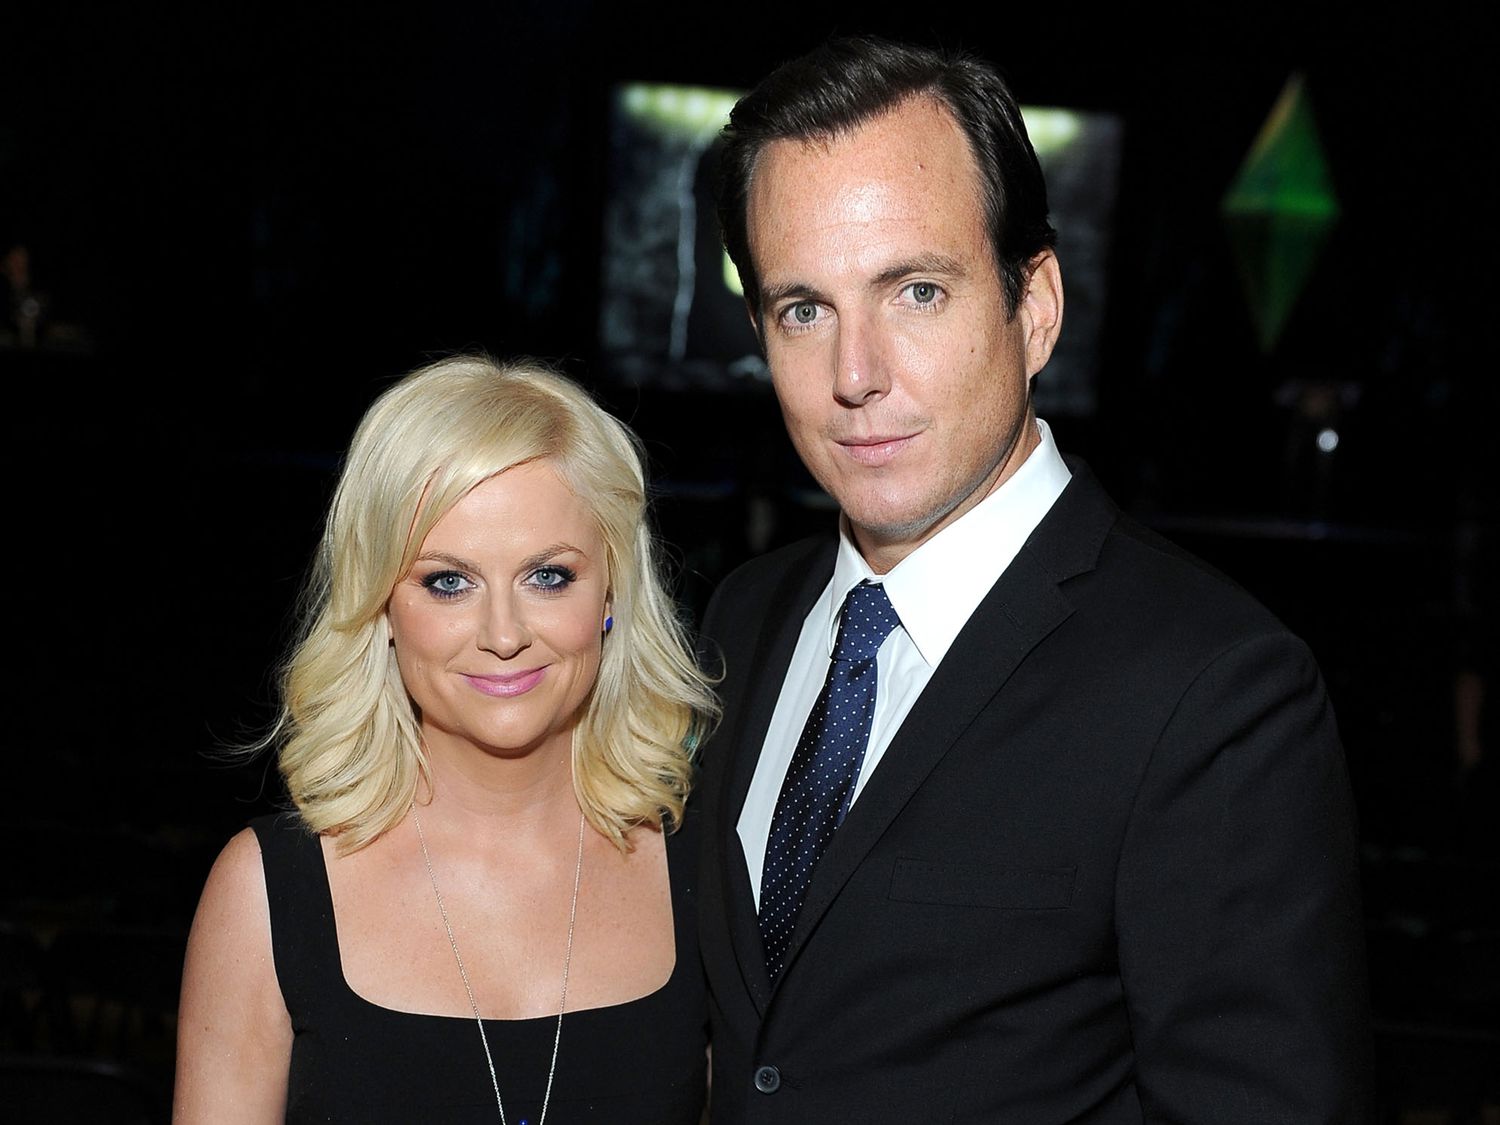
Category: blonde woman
[481,909]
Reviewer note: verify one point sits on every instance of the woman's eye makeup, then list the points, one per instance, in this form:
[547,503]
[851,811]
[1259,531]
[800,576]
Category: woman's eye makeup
[552,577]
[447,583]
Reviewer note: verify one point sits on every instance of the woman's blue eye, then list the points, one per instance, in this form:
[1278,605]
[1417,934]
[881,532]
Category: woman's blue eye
[447,583]
[552,577]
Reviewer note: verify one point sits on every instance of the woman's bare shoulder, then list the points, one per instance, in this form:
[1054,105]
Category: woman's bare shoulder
[231,1007]
[235,891]
[232,927]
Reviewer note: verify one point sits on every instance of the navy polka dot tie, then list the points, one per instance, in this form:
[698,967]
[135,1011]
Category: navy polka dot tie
[820,780]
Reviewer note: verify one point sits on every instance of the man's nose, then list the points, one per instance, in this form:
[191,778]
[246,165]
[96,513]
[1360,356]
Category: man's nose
[861,373]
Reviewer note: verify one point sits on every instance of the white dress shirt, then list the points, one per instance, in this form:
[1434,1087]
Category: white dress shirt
[934,591]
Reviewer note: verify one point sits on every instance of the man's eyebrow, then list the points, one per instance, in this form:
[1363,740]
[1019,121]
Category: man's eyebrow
[775,294]
[934,265]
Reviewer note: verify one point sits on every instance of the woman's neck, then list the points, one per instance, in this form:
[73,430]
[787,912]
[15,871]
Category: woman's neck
[487,795]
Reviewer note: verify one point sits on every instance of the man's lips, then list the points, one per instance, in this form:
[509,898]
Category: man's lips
[875,450]
[508,684]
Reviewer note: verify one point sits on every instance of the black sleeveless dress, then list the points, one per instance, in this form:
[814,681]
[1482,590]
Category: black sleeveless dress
[354,1061]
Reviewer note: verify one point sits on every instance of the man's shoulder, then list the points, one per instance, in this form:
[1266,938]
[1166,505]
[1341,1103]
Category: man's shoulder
[765,588]
[1158,590]
[760,577]
[1143,582]
[1153,553]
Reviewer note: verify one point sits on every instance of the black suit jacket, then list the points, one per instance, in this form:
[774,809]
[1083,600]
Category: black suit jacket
[1105,872]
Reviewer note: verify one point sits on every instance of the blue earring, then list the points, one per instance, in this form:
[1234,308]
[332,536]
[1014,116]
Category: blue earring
[609,623]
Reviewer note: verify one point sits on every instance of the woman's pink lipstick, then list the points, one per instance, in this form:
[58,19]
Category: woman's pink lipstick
[516,683]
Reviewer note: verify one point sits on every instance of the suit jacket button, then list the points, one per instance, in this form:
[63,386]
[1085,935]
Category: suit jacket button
[767,1079]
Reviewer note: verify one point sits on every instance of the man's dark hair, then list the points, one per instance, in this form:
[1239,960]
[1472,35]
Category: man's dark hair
[846,82]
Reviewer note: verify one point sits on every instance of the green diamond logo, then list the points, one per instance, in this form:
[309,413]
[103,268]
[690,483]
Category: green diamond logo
[1279,211]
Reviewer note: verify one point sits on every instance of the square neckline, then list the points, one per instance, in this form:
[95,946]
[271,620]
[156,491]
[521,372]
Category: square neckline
[325,886]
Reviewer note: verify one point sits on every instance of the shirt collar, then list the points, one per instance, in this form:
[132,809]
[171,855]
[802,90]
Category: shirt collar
[937,588]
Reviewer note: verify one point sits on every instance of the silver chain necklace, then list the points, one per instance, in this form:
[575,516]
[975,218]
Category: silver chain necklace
[464,973]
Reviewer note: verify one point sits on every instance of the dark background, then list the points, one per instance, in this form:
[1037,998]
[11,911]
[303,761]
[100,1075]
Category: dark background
[246,223]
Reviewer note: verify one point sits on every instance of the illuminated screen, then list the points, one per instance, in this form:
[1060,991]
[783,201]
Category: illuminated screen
[672,315]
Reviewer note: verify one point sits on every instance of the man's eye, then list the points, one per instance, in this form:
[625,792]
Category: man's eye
[552,577]
[804,312]
[447,583]
[925,295]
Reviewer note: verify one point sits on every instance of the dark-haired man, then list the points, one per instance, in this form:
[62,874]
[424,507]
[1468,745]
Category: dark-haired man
[1017,813]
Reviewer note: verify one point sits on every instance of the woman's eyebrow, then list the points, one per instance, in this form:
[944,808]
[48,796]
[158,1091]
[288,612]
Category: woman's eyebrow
[550,553]
[445,557]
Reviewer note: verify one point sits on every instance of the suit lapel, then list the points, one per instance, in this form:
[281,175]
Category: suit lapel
[1022,608]
[771,655]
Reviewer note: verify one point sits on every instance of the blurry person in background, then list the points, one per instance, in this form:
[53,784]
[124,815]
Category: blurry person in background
[23,304]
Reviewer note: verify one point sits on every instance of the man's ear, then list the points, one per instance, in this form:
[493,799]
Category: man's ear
[1041,310]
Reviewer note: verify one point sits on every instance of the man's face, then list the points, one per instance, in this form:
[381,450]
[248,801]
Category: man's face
[902,380]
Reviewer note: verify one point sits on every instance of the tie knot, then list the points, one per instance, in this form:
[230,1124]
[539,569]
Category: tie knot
[866,621]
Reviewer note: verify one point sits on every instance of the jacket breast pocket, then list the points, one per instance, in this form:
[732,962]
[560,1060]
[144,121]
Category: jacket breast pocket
[982,884]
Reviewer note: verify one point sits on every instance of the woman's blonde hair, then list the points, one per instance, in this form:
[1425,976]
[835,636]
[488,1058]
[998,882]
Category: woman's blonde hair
[350,744]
